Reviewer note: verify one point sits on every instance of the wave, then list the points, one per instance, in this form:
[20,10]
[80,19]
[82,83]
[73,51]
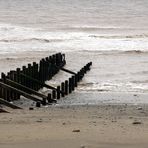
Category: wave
[89,28]
[120,36]
[71,40]
[97,27]
[134,86]
[31,39]
[115,52]
[141,72]
[140,82]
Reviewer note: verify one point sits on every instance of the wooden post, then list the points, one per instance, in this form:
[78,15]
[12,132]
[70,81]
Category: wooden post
[19,78]
[12,94]
[4,93]
[85,69]
[15,80]
[9,97]
[55,69]
[70,85]
[66,87]
[76,80]
[44,69]
[53,94]
[58,92]
[73,82]
[29,73]
[79,78]
[44,101]
[36,76]
[81,74]
[38,104]
[51,67]
[34,73]
[41,71]
[50,100]
[24,72]
[63,88]
[48,67]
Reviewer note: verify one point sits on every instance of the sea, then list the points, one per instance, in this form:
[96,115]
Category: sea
[113,34]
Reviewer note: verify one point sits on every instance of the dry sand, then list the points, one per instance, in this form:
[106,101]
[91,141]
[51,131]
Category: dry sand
[102,126]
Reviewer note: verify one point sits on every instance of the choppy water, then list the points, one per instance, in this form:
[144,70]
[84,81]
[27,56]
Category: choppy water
[111,34]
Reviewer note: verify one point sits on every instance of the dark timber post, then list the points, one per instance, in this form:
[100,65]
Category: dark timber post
[73,82]
[66,87]
[70,85]
[4,91]
[76,80]
[58,92]
[63,89]
[53,94]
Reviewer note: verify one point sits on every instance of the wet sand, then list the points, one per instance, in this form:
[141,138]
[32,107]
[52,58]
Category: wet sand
[99,126]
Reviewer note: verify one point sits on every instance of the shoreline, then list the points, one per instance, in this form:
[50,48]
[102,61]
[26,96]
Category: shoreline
[95,126]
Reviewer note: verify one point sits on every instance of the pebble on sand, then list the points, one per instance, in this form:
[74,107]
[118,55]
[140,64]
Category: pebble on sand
[76,131]
[137,122]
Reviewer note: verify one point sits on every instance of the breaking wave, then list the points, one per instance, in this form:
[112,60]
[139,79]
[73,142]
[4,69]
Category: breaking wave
[18,37]
[31,40]
[134,86]
[120,36]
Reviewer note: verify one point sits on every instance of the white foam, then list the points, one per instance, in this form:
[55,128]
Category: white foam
[115,87]
[16,39]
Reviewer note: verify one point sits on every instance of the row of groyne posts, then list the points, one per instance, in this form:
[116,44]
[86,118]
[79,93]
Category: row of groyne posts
[26,81]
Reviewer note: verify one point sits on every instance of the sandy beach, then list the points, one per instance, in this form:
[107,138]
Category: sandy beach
[109,108]
[102,126]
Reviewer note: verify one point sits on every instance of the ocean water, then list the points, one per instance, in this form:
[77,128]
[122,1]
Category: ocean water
[113,34]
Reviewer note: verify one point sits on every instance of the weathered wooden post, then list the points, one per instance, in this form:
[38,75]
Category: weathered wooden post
[17,96]
[58,92]
[44,101]
[41,71]
[66,87]
[11,76]
[78,76]
[76,80]
[24,72]
[85,69]
[73,82]
[36,75]
[63,89]
[8,91]
[55,69]
[50,100]
[4,93]
[18,70]
[38,104]
[53,94]
[81,74]
[70,85]
[47,68]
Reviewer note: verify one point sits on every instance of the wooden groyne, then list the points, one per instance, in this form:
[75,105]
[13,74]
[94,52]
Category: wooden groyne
[26,81]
